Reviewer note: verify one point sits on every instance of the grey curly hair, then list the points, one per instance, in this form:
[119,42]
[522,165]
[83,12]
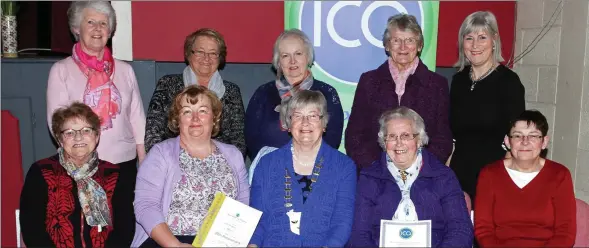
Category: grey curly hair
[405,114]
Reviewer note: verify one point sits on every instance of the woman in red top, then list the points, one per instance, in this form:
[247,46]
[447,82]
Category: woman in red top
[526,200]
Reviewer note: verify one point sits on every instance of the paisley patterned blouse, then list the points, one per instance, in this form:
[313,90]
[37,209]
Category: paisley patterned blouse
[194,193]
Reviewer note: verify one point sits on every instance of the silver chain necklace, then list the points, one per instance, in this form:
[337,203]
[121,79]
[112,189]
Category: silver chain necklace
[475,81]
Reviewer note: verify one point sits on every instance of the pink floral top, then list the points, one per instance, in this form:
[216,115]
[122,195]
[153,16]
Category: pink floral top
[400,77]
[194,193]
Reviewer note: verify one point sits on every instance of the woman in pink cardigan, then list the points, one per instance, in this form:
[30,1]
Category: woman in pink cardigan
[92,76]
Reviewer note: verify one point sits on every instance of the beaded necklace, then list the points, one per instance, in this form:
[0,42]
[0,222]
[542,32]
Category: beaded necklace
[288,183]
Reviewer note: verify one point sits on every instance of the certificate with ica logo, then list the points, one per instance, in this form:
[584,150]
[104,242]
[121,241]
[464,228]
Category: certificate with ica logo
[229,223]
[405,234]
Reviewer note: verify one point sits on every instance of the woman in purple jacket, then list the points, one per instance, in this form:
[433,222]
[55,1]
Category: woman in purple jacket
[402,80]
[179,178]
[409,184]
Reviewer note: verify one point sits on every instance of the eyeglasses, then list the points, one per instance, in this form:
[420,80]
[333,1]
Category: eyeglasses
[531,138]
[310,118]
[403,137]
[202,54]
[71,133]
[408,41]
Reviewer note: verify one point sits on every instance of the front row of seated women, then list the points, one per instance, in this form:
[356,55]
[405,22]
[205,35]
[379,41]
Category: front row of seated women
[74,199]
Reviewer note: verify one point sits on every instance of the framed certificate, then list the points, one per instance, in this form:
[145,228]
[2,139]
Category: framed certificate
[405,234]
[229,223]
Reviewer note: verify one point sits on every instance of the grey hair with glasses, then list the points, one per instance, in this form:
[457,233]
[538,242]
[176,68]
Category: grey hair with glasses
[477,21]
[292,33]
[302,99]
[75,14]
[402,22]
[403,113]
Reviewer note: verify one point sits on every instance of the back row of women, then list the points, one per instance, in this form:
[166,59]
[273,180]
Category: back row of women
[89,198]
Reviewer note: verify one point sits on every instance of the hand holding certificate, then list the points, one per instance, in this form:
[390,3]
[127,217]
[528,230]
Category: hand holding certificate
[229,223]
[405,234]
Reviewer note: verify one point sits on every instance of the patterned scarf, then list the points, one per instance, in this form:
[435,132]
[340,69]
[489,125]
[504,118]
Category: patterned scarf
[215,83]
[101,94]
[406,208]
[91,195]
[400,77]
[285,89]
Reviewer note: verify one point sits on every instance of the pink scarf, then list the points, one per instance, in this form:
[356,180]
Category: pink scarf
[400,77]
[101,94]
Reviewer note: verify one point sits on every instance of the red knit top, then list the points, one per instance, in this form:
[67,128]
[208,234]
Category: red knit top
[540,214]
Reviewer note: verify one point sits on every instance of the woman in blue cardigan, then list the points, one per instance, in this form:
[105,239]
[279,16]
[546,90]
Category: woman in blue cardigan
[292,59]
[306,188]
[407,184]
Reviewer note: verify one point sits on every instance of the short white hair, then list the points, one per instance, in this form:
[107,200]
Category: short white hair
[296,33]
[403,113]
[300,100]
[477,21]
[76,11]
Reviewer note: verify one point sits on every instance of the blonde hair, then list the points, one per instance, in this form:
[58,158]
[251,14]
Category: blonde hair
[480,20]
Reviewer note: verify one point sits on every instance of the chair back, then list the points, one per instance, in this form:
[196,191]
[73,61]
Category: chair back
[582,238]
[468,202]
[12,177]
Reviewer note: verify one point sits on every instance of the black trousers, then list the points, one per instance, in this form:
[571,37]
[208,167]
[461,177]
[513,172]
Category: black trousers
[129,166]
[150,243]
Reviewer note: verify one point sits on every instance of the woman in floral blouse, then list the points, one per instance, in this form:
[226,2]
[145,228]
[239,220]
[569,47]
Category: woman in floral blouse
[179,178]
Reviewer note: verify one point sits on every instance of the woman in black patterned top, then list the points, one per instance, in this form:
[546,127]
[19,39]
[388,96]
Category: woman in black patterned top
[204,51]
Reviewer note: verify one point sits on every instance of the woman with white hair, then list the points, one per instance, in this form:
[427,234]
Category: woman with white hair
[292,59]
[408,183]
[306,188]
[485,96]
[109,86]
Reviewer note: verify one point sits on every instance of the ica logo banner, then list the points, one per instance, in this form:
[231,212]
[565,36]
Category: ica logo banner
[347,37]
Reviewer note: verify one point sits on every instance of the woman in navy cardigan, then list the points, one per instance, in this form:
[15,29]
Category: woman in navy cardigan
[293,57]
[408,183]
[305,189]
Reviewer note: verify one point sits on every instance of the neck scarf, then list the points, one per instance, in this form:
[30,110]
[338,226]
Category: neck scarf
[91,195]
[100,94]
[400,77]
[405,209]
[286,89]
[215,83]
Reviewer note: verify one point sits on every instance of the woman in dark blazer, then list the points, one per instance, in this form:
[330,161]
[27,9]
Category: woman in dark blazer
[402,80]
[293,57]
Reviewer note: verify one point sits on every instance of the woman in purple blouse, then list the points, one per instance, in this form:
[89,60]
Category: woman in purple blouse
[402,80]
[179,178]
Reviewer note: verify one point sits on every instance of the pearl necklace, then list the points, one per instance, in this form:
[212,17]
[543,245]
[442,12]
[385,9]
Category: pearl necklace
[295,158]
